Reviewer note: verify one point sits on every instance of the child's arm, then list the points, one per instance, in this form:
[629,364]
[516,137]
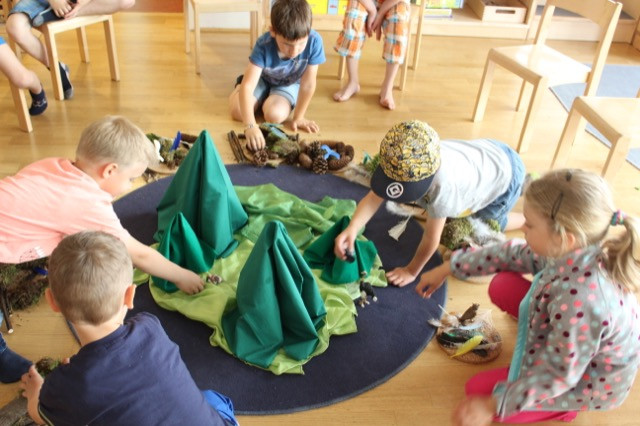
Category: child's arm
[307,89]
[376,24]
[252,133]
[152,262]
[60,7]
[372,12]
[32,383]
[431,280]
[402,276]
[366,208]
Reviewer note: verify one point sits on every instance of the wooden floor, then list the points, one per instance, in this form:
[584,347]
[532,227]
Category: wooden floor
[160,91]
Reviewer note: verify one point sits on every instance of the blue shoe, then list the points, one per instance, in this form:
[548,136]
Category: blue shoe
[67,88]
[38,103]
[46,15]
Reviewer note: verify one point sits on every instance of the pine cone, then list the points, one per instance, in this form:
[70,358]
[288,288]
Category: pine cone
[260,157]
[315,150]
[292,157]
[320,165]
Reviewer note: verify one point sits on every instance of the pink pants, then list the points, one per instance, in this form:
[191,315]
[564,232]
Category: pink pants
[507,289]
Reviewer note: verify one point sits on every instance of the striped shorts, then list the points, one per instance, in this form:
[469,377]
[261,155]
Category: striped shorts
[395,29]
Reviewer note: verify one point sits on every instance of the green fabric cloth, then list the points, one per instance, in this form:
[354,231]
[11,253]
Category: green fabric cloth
[181,244]
[303,219]
[264,203]
[201,190]
[320,255]
[278,302]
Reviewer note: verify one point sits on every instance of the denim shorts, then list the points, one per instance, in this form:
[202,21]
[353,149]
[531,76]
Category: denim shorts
[500,207]
[264,90]
[31,8]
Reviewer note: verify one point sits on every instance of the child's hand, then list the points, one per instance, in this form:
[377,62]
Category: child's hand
[475,411]
[31,383]
[431,280]
[377,26]
[255,138]
[401,276]
[76,7]
[191,283]
[304,124]
[344,243]
[371,17]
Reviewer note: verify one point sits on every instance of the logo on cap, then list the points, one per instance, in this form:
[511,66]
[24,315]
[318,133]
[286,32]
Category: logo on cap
[394,190]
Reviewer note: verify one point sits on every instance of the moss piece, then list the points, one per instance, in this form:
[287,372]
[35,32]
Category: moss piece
[46,365]
[455,231]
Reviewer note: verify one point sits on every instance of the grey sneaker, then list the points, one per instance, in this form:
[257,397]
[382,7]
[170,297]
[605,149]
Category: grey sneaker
[45,16]
[67,88]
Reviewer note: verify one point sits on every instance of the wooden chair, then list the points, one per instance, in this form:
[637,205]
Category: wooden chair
[417,12]
[542,66]
[22,110]
[618,119]
[254,7]
[51,29]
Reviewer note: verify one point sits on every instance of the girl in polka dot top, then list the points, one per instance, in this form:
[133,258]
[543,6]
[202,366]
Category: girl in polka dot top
[578,340]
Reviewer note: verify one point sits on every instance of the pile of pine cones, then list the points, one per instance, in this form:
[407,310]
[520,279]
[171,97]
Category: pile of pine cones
[312,156]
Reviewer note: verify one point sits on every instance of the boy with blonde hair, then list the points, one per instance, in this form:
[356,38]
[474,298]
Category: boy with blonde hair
[281,74]
[126,372]
[55,197]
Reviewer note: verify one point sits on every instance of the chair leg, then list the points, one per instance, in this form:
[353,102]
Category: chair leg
[20,102]
[185,14]
[54,69]
[82,44]
[196,30]
[341,67]
[569,134]
[253,25]
[534,104]
[405,64]
[483,91]
[110,37]
[616,157]
[416,50]
[524,94]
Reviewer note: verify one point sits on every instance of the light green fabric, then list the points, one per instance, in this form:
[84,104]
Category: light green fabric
[181,244]
[309,220]
[320,255]
[278,302]
[201,190]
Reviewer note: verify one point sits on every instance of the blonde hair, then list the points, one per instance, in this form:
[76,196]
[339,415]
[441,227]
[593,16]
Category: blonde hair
[115,139]
[579,202]
[88,274]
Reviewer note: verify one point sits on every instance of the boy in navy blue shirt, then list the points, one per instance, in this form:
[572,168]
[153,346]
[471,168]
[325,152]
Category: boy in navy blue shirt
[126,372]
[281,74]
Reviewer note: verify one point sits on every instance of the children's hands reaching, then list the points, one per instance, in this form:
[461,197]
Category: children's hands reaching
[304,124]
[31,383]
[371,18]
[475,411]
[431,280]
[190,282]
[254,137]
[377,26]
[344,243]
[400,276]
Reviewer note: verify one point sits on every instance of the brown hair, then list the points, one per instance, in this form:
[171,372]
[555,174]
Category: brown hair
[579,202]
[88,275]
[291,18]
[115,139]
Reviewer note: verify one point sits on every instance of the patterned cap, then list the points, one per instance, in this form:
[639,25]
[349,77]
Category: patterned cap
[409,159]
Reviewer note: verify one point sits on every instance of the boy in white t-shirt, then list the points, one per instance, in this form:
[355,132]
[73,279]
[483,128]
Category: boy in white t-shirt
[449,178]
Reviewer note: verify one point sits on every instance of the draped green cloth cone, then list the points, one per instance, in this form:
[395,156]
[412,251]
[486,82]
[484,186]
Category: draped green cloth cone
[181,245]
[278,303]
[320,255]
[202,191]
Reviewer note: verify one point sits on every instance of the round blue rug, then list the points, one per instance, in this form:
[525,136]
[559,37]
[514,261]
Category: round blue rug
[391,333]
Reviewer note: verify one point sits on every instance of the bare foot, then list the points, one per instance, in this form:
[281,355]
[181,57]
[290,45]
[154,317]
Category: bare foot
[346,92]
[387,101]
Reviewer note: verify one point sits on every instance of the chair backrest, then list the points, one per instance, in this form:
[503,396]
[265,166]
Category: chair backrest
[604,13]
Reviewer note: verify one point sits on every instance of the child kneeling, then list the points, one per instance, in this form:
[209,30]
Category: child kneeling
[126,372]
